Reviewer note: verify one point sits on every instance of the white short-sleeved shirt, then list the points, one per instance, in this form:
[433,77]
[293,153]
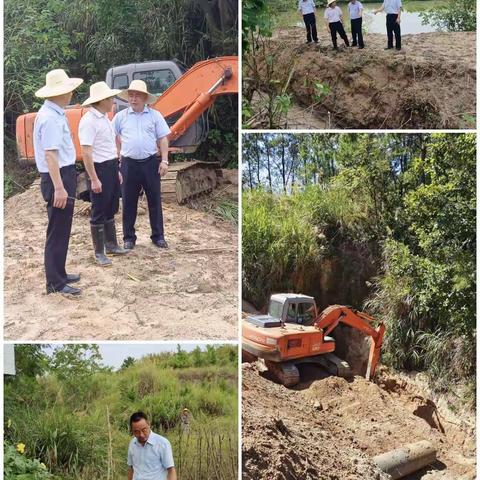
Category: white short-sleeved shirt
[354,9]
[333,14]
[139,132]
[51,132]
[306,6]
[96,131]
[392,6]
[150,461]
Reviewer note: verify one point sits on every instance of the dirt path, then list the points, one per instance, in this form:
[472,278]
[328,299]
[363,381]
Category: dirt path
[330,428]
[429,84]
[188,291]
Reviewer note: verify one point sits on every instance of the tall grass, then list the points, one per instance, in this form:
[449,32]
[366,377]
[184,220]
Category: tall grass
[291,243]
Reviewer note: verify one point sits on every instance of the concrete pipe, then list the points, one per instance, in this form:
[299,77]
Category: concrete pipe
[407,459]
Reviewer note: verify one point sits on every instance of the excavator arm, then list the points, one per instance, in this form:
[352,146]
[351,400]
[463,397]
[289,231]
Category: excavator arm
[335,314]
[195,91]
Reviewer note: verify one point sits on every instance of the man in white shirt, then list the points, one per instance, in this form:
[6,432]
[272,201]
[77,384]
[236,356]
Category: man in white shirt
[143,134]
[333,19]
[149,455]
[99,152]
[355,9]
[307,9]
[393,9]
[55,159]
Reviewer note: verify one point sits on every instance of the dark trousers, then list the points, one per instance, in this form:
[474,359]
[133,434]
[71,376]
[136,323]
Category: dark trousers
[105,204]
[138,174]
[393,28]
[59,226]
[357,36]
[337,27]
[311,26]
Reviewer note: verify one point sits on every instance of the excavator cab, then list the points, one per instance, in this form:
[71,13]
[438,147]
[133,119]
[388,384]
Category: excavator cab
[159,76]
[293,308]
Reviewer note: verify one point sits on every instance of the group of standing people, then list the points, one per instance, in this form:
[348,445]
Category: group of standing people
[334,21]
[126,155]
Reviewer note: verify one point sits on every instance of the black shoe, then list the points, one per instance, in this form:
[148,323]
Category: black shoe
[316,41]
[160,243]
[398,49]
[362,47]
[388,48]
[73,277]
[308,41]
[66,290]
[128,245]
[98,238]
[353,45]
[111,244]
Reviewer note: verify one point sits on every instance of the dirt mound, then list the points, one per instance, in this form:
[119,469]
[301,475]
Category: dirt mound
[331,428]
[428,84]
[187,291]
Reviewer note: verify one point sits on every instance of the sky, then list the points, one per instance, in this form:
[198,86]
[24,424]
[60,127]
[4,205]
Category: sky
[114,354]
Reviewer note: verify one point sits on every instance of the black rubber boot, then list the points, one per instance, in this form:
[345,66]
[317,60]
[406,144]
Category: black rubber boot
[99,245]
[111,243]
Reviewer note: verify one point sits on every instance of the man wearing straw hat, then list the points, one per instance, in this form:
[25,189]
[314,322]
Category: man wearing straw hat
[99,153]
[142,132]
[333,18]
[55,159]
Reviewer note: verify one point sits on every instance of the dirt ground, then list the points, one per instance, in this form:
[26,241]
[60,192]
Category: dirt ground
[429,84]
[188,291]
[330,428]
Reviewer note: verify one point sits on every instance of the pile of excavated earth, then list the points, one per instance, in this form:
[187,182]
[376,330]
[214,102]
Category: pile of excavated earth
[428,84]
[330,428]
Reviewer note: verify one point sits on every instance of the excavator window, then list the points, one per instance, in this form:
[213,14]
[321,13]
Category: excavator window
[292,313]
[305,313]
[157,80]
[275,309]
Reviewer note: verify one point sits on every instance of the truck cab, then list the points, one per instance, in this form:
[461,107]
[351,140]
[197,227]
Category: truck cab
[158,75]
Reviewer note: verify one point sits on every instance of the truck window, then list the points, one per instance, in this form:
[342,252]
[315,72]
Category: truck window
[120,82]
[157,80]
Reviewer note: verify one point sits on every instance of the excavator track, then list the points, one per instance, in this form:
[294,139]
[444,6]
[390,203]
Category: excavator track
[186,180]
[285,373]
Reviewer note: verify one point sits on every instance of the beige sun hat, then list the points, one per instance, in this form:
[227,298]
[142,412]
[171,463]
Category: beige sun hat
[100,91]
[329,2]
[138,86]
[57,82]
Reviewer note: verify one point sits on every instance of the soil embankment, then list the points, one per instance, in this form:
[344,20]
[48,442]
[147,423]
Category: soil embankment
[188,291]
[330,428]
[429,84]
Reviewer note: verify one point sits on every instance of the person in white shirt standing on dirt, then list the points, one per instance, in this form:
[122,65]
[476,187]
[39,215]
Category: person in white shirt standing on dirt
[99,153]
[143,134]
[355,9]
[333,17]
[55,159]
[307,9]
[393,9]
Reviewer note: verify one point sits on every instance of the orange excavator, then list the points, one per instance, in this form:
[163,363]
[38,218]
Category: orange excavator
[293,333]
[183,98]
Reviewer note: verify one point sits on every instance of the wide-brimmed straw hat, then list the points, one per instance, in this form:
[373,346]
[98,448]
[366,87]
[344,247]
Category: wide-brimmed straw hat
[57,82]
[329,2]
[138,86]
[100,91]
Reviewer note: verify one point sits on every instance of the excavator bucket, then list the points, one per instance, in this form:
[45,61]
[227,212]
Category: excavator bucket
[186,180]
